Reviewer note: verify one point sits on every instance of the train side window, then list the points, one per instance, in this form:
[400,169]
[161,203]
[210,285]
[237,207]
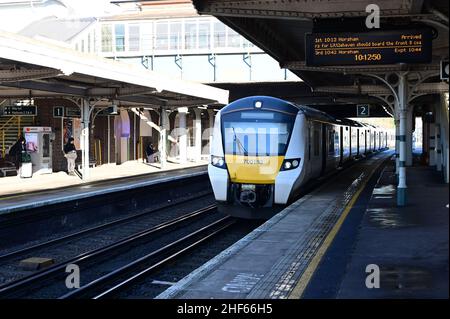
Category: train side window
[316,138]
[331,142]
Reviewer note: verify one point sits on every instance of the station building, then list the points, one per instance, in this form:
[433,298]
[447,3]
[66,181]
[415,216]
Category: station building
[111,108]
[169,38]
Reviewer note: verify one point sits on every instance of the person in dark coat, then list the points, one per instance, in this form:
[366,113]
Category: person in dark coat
[70,153]
[150,152]
[17,150]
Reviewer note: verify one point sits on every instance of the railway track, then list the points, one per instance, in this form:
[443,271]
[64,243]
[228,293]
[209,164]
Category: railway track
[121,279]
[101,265]
[23,252]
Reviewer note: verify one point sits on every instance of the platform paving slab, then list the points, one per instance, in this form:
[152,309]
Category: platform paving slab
[408,244]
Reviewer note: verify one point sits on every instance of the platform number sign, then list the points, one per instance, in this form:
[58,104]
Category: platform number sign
[58,111]
[362,110]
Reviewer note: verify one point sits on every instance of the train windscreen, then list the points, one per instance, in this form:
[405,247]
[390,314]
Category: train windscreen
[256,133]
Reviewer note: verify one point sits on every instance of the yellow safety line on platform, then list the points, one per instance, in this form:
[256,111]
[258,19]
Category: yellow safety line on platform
[299,289]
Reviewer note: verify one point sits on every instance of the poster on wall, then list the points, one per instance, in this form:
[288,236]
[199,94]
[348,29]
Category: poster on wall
[67,130]
[72,128]
[76,126]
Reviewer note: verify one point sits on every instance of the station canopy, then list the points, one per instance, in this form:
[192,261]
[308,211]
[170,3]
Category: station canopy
[37,68]
[279,28]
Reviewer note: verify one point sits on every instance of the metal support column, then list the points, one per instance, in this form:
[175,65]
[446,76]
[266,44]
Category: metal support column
[198,135]
[162,147]
[443,110]
[211,128]
[409,136]
[397,143]
[403,109]
[437,134]
[109,139]
[182,112]
[212,61]
[247,58]
[432,145]
[85,118]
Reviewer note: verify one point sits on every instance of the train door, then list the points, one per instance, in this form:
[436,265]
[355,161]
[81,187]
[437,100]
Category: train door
[366,137]
[357,142]
[386,140]
[341,146]
[380,138]
[353,142]
[350,142]
[324,148]
[315,149]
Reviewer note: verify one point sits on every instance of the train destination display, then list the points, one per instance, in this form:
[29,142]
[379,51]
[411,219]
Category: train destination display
[386,47]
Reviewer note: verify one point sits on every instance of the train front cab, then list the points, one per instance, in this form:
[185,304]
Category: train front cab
[257,156]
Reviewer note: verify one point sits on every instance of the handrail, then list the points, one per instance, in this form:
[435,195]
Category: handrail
[3,129]
[7,122]
[3,144]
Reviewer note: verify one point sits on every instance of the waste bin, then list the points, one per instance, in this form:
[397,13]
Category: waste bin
[26,169]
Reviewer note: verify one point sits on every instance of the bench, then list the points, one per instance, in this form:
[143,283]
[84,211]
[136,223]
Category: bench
[7,168]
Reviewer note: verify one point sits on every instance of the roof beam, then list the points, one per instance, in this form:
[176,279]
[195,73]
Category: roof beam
[301,9]
[21,75]
[423,88]
[356,69]
[47,87]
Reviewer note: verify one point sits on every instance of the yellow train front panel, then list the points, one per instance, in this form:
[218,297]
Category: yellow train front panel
[253,169]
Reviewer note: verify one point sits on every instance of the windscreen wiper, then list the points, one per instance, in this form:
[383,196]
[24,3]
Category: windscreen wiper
[239,143]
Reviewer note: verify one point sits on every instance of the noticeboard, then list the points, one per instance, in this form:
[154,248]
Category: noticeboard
[73,112]
[369,48]
[18,110]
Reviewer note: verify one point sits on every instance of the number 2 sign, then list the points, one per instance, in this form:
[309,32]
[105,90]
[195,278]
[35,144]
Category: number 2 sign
[362,110]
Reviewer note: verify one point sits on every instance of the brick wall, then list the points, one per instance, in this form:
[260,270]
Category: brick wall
[45,118]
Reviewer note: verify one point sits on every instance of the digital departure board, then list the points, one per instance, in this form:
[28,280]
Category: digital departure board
[378,47]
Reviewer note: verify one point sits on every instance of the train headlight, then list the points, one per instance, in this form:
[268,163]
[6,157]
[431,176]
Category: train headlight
[218,161]
[290,164]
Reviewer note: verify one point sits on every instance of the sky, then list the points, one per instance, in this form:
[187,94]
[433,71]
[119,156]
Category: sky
[16,14]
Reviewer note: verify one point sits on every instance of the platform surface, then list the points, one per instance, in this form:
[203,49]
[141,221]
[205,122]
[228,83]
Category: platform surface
[409,245]
[269,262]
[106,179]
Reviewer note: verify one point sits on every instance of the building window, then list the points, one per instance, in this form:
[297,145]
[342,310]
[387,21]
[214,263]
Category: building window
[162,36]
[219,35]
[203,35]
[134,37]
[175,35]
[190,35]
[82,45]
[234,39]
[106,38]
[119,30]
[331,136]
[89,43]
[246,43]
[146,37]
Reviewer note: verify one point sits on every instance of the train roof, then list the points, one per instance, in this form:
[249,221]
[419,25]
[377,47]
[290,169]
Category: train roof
[269,102]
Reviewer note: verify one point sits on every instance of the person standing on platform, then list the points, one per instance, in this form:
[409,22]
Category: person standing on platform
[150,152]
[16,151]
[70,153]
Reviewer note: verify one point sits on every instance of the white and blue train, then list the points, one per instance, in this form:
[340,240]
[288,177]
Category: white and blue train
[265,149]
